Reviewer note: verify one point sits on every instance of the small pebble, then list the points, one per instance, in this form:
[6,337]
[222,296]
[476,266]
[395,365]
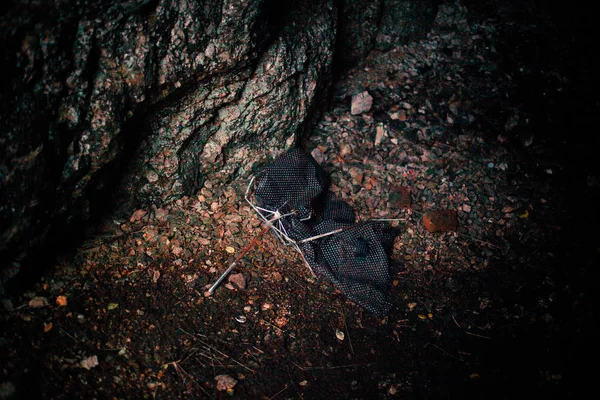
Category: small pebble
[361,103]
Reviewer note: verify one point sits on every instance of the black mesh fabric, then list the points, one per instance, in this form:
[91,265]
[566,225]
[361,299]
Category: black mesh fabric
[355,260]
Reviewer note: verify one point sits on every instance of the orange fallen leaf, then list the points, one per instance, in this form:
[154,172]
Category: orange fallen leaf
[61,301]
[47,327]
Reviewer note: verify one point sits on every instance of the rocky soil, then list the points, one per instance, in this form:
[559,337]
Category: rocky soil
[492,271]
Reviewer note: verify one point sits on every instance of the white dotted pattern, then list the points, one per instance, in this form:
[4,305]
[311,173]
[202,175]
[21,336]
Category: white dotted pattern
[356,259]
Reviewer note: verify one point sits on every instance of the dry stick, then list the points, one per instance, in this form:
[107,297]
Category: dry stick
[339,366]
[476,335]
[479,240]
[242,254]
[445,352]
[302,368]
[216,350]
[348,333]
[226,356]
[276,394]
[66,333]
[213,357]
[182,372]
[457,324]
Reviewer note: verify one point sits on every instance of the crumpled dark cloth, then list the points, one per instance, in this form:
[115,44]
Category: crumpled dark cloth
[355,260]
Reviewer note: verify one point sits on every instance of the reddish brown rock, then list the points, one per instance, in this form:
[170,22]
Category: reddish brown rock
[440,220]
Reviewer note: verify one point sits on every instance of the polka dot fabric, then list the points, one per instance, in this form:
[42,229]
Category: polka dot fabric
[355,260]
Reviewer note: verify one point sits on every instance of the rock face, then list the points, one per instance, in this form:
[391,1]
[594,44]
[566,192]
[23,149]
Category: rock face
[403,20]
[381,24]
[155,97]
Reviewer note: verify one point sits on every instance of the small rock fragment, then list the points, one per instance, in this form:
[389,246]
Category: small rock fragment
[380,133]
[356,175]
[161,214]
[398,115]
[318,155]
[225,382]
[89,362]
[238,280]
[230,249]
[137,215]
[277,277]
[440,220]
[361,103]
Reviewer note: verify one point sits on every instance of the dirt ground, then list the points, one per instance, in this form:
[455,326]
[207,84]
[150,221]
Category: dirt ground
[470,119]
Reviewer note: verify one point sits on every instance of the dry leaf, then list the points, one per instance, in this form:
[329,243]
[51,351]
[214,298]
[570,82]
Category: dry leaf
[230,249]
[47,327]
[524,215]
[61,301]
[38,302]
[508,209]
